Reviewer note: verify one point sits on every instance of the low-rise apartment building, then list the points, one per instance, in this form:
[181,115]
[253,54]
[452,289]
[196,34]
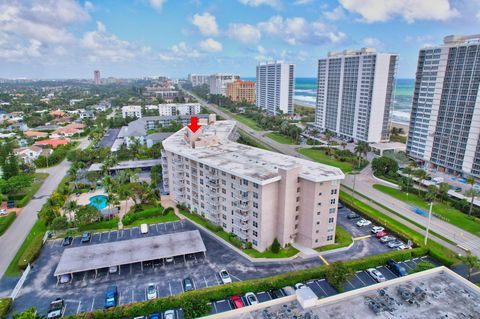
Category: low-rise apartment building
[174,109]
[255,194]
[241,91]
[132,111]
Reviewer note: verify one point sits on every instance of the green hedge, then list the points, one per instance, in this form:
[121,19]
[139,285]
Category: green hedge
[437,251]
[104,224]
[6,221]
[148,213]
[5,304]
[197,297]
[31,252]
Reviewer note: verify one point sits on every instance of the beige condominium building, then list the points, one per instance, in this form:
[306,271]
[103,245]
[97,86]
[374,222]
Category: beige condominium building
[241,91]
[258,195]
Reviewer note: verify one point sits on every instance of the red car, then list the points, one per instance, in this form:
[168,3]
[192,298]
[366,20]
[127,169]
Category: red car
[381,234]
[237,302]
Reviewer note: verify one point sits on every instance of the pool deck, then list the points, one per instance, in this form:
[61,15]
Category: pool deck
[84,199]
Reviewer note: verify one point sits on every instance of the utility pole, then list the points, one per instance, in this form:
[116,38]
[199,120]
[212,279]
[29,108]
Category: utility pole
[429,220]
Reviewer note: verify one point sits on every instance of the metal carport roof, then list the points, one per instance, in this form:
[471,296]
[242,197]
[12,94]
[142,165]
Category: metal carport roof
[124,252]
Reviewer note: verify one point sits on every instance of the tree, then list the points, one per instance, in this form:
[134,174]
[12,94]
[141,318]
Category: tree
[328,137]
[361,149]
[86,215]
[421,266]
[314,132]
[443,189]
[337,273]
[472,193]
[471,262]
[384,166]
[71,207]
[59,223]
[27,314]
[405,183]
[10,168]
[275,247]
[421,175]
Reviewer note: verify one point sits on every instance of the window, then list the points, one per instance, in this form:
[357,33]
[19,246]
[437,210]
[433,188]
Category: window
[333,201]
[245,182]
[334,191]
[332,210]
[224,217]
[317,231]
[298,199]
[255,204]
[201,173]
[329,238]
[319,194]
[255,224]
[318,213]
[224,208]
[233,177]
[296,217]
[331,220]
[318,223]
[255,243]
[224,182]
[255,185]
[224,225]
[298,189]
[255,195]
[201,165]
[224,174]
[201,181]
[224,191]
[255,214]
[316,240]
[255,234]
[201,197]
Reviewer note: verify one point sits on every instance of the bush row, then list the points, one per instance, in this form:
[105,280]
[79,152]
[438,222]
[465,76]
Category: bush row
[31,252]
[6,221]
[104,224]
[5,304]
[148,213]
[198,299]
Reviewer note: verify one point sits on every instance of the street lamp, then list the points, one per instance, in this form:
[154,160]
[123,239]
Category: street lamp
[429,220]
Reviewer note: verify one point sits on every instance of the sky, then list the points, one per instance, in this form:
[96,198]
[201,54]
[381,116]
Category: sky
[137,38]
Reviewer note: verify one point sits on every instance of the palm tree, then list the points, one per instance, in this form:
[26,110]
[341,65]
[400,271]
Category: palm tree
[71,207]
[443,189]
[314,132]
[361,148]
[472,193]
[421,175]
[471,262]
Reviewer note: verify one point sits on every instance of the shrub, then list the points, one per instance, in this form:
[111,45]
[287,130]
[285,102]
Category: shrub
[421,266]
[338,273]
[5,304]
[213,227]
[104,224]
[384,166]
[31,252]
[275,247]
[129,218]
[6,221]
[168,210]
[59,223]
[235,241]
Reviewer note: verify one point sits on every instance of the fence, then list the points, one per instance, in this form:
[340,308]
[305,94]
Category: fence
[20,282]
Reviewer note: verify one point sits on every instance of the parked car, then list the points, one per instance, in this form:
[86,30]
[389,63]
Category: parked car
[111,297]
[188,284]
[237,302]
[340,205]
[154,315]
[112,269]
[403,247]
[86,237]
[377,229]
[376,274]
[144,229]
[394,244]
[288,291]
[381,234]
[396,268]
[388,238]
[169,259]
[251,298]
[277,293]
[56,309]
[3,212]
[151,291]
[225,276]
[169,314]
[299,286]
[353,216]
[67,241]
[363,222]
[64,279]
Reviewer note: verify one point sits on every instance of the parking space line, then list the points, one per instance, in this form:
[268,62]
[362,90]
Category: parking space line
[93,302]
[351,284]
[119,298]
[174,226]
[361,280]
[218,281]
[391,272]
[320,288]
[205,279]
[79,304]
[215,306]
[323,259]
[170,287]
[109,235]
[133,295]
[362,237]
[156,226]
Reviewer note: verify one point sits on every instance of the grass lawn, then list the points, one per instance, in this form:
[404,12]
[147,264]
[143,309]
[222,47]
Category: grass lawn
[453,215]
[280,138]
[6,221]
[247,140]
[436,250]
[247,121]
[38,229]
[342,239]
[170,217]
[321,157]
[283,253]
[41,175]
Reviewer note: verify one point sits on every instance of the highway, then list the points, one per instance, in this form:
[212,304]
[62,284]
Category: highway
[364,183]
[13,238]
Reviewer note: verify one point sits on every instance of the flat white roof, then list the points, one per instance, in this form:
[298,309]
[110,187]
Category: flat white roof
[96,167]
[254,164]
[389,146]
[124,252]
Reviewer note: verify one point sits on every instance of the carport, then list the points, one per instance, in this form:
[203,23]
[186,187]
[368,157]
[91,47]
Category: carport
[125,252]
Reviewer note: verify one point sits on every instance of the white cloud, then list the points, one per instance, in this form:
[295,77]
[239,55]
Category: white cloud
[409,10]
[297,30]
[255,3]
[179,51]
[104,45]
[157,4]
[210,45]
[17,51]
[245,33]
[302,2]
[336,14]
[372,42]
[206,24]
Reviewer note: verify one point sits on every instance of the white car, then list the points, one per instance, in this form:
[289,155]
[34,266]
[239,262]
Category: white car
[225,276]
[3,212]
[151,291]
[377,229]
[376,274]
[388,238]
[64,279]
[395,244]
[112,269]
[363,222]
[169,314]
[403,247]
[144,229]
[299,286]
[251,298]
[169,259]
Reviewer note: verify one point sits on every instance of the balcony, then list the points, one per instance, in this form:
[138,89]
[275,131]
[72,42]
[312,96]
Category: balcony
[213,182]
[242,204]
[178,182]
[241,218]
[240,187]
[241,196]
[240,232]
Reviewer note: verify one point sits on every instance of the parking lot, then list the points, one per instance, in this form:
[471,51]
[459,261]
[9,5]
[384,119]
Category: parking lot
[109,137]
[323,289]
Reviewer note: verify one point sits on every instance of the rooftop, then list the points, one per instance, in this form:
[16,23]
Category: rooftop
[124,252]
[254,164]
[96,167]
[435,293]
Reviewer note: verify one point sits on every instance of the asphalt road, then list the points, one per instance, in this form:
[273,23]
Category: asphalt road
[13,238]
[364,183]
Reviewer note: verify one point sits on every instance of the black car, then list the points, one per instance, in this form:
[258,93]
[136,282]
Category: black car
[188,284]
[353,216]
[396,268]
[86,236]
[67,241]
[276,293]
[340,205]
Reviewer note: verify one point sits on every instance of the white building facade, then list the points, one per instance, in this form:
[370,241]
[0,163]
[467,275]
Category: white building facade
[218,82]
[255,194]
[132,111]
[274,87]
[445,120]
[174,109]
[355,94]
[197,79]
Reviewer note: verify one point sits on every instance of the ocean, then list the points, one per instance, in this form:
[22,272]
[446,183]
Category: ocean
[306,92]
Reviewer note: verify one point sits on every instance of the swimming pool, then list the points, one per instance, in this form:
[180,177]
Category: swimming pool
[99,201]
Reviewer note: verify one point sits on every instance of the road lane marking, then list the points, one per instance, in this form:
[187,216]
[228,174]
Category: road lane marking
[362,237]
[170,287]
[323,259]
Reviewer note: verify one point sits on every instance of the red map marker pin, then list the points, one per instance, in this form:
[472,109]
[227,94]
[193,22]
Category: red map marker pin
[193,126]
